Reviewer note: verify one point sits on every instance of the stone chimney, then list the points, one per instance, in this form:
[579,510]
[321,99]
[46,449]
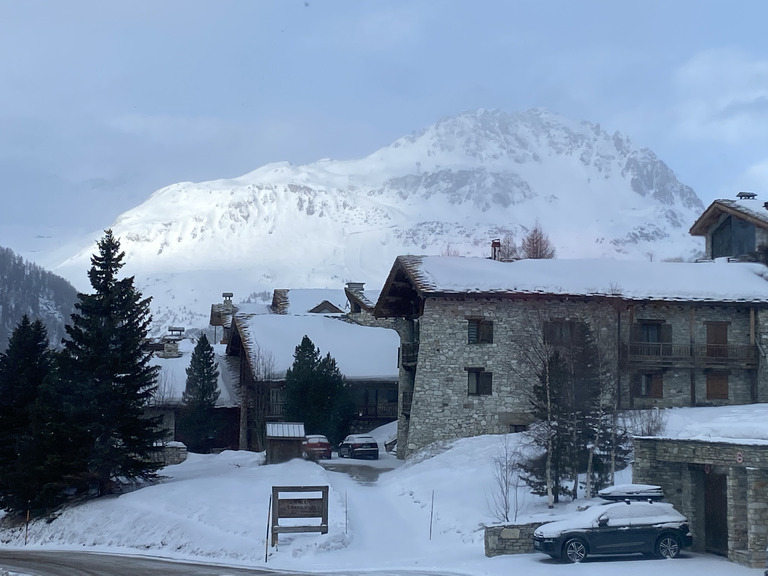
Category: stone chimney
[227,304]
[496,249]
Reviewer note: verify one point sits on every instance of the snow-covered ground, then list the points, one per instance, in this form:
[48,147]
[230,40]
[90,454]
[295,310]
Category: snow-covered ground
[426,514]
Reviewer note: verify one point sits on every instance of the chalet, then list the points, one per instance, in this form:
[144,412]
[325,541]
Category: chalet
[171,383]
[677,334]
[733,228]
[264,336]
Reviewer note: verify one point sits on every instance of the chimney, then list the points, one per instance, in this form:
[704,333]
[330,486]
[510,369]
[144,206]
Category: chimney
[227,301]
[496,249]
[356,286]
[746,195]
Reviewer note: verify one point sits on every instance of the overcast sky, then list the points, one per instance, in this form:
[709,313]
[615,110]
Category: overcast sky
[102,103]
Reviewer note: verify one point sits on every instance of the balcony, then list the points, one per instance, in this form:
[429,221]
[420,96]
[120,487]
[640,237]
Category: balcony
[380,410]
[657,355]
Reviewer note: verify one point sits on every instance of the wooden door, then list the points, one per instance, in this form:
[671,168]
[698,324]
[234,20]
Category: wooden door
[716,513]
[717,339]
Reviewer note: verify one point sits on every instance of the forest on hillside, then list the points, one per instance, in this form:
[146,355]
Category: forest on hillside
[26,288]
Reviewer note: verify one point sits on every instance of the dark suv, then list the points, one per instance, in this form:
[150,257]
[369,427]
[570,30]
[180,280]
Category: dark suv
[629,527]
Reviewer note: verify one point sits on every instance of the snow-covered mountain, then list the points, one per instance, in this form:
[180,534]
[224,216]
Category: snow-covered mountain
[456,185]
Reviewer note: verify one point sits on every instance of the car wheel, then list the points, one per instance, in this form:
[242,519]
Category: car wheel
[668,546]
[574,550]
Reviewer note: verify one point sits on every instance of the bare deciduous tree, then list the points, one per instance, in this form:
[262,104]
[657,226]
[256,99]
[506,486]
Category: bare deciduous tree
[505,497]
[449,250]
[536,245]
[509,250]
[532,362]
[254,399]
[163,394]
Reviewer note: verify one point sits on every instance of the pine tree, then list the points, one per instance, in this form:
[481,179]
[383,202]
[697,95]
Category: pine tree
[105,377]
[317,393]
[199,398]
[24,366]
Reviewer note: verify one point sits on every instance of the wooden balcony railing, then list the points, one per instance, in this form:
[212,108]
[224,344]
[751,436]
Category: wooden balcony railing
[380,410]
[275,409]
[658,353]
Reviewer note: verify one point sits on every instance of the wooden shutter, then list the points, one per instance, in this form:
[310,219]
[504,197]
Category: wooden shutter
[472,331]
[657,386]
[485,334]
[717,386]
[485,383]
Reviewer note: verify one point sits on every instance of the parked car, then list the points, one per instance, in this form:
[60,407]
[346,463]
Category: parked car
[359,446]
[316,446]
[629,527]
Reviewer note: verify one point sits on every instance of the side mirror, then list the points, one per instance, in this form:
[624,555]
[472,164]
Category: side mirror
[602,521]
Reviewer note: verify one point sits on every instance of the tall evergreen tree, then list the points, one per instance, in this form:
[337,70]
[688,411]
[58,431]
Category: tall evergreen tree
[24,366]
[316,393]
[199,397]
[576,427]
[105,376]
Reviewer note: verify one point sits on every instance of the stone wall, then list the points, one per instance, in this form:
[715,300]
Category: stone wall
[509,539]
[442,408]
[680,466]
[689,327]
[172,453]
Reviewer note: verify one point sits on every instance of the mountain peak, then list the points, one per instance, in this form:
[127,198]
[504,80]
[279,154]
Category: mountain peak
[458,183]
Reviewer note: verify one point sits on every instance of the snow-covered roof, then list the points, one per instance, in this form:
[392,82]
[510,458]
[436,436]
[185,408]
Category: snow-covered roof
[285,430]
[751,210]
[302,300]
[718,281]
[361,352]
[745,424]
[172,379]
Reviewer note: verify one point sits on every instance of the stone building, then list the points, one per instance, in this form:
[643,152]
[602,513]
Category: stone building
[262,340]
[720,485]
[677,334]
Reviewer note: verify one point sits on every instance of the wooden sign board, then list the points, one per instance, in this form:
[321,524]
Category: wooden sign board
[299,508]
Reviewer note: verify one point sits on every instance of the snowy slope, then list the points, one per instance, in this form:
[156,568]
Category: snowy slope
[454,186]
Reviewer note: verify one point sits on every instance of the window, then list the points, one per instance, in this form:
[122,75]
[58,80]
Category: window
[650,333]
[717,385]
[479,331]
[558,332]
[649,385]
[479,382]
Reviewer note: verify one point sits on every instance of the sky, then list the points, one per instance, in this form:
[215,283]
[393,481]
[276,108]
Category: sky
[102,103]
[415,516]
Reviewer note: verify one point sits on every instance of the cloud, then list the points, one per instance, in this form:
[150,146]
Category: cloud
[723,96]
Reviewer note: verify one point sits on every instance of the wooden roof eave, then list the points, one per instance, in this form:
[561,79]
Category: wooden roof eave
[382,309]
[712,214]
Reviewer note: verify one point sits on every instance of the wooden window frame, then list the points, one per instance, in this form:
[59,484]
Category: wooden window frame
[479,382]
[649,385]
[479,331]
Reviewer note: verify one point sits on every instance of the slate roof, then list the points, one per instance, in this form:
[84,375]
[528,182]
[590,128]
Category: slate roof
[620,279]
[752,211]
